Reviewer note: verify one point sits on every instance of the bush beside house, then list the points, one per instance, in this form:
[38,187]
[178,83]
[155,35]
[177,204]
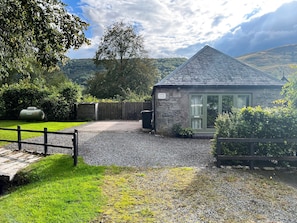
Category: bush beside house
[277,122]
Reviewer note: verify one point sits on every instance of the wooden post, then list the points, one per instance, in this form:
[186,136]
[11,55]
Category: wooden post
[45,141]
[252,153]
[75,147]
[19,137]
[219,152]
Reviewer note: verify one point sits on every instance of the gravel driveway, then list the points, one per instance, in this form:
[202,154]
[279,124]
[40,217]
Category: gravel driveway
[144,150]
[125,144]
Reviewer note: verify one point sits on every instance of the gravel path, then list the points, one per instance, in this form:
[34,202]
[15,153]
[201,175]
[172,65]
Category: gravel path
[144,150]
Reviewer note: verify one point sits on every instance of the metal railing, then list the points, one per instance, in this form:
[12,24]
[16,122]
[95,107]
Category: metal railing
[45,143]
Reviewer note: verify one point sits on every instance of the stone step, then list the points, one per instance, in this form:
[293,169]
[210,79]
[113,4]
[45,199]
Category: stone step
[13,161]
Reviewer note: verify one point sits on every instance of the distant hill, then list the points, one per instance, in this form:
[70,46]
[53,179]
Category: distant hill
[277,61]
[79,70]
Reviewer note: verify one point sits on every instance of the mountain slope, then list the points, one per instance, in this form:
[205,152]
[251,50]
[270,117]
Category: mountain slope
[279,61]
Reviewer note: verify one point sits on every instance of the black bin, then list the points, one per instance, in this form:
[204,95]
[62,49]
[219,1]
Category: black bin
[146,119]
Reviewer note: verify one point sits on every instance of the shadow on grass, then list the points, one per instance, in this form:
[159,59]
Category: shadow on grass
[286,176]
[56,167]
[13,123]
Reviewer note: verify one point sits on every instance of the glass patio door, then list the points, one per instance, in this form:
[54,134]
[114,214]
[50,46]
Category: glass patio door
[212,110]
[197,111]
[205,108]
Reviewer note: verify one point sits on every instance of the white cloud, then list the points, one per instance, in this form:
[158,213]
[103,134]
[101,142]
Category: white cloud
[170,25]
[268,31]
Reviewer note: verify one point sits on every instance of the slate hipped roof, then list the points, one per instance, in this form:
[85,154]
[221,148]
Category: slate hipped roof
[210,67]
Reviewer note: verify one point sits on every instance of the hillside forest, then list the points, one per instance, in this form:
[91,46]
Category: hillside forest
[80,70]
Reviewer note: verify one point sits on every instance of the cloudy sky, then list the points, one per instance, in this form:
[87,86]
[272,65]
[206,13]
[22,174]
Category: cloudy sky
[180,28]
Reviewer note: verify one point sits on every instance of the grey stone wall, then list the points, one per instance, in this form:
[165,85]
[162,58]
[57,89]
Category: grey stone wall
[172,109]
[172,105]
[265,97]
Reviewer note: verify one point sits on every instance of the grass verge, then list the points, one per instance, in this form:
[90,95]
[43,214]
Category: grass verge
[51,126]
[55,192]
[194,195]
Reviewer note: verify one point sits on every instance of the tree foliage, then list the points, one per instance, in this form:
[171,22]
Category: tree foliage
[118,43]
[51,78]
[40,30]
[289,91]
[127,69]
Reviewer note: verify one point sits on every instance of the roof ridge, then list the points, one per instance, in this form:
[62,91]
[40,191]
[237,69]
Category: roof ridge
[210,66]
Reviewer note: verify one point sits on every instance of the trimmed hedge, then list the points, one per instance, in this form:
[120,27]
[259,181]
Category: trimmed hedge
[278,122]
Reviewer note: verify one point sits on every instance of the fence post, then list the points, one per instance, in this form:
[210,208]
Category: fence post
[19,137]
[219,151]
[45,141]
[75,147]
[252,153]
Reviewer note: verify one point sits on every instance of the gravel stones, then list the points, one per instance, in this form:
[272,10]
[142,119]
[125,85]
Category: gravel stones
[145,150]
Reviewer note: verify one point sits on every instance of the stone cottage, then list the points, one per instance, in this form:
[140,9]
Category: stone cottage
[208,84]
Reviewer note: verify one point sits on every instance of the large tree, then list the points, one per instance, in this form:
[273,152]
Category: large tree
[127,69]
[39,30]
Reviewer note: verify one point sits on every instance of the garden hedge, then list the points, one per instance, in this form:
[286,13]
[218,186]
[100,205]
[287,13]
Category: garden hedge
[277,122]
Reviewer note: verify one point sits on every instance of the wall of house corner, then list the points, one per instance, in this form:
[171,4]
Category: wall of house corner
[172,105]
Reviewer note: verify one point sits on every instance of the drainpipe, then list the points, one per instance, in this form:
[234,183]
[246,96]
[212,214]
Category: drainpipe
[154,110]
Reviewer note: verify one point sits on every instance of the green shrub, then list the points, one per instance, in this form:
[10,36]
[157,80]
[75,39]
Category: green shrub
[89,98]
[57,103]
[186,132]
[176,128]
[278,122]
[56,109]
[20,96]
[178,131]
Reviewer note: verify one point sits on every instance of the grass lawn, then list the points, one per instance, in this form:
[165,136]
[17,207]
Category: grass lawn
[12,135]
[55,191]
